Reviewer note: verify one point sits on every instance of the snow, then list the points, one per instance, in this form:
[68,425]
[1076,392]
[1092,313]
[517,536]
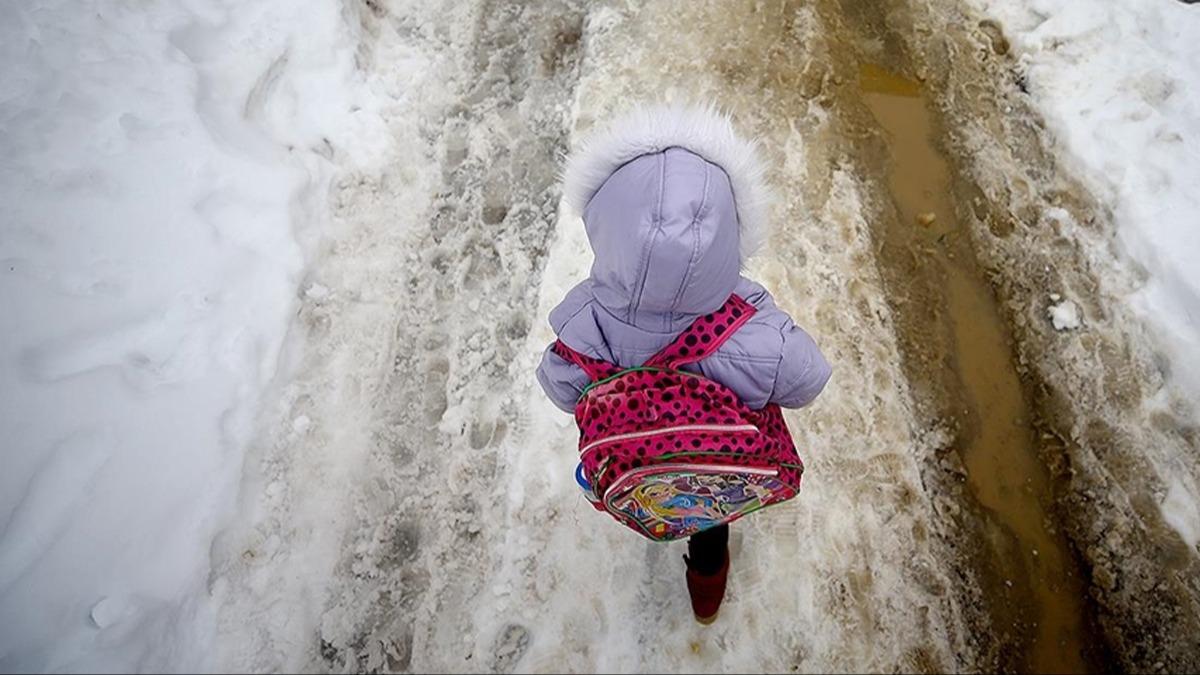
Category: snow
[160,166]
[302,252]
[1119,85]
[1064,315]
[427,519]
[1181,510]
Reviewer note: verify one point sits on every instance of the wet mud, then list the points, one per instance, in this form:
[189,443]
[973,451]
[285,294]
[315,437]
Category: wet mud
[1037,574]
[959,358]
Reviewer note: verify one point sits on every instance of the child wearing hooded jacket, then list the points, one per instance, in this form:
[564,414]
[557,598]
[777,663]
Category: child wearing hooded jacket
[673,202]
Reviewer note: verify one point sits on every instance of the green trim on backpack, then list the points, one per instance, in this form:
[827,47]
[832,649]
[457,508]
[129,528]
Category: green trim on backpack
[635,369]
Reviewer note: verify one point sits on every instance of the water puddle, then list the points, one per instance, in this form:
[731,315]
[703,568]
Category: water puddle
[1004,472]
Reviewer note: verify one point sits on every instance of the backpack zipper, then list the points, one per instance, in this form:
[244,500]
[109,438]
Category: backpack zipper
[667,430]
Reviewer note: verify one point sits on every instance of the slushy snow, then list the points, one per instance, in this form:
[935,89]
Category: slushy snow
[157,164]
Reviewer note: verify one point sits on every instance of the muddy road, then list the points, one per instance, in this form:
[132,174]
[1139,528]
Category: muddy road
[982,490]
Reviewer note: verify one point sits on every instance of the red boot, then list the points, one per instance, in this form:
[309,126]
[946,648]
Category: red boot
[707,590]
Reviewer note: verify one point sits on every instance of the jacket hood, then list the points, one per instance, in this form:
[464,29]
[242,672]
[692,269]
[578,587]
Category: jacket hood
[674,202]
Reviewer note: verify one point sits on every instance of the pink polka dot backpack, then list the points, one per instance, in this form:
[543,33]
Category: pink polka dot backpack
[670,453]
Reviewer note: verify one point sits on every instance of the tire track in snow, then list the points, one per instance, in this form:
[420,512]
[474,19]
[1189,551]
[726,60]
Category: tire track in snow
[1114,434]
[860,559]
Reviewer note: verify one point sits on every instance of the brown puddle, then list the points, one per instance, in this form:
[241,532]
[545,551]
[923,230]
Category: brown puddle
[1004,472]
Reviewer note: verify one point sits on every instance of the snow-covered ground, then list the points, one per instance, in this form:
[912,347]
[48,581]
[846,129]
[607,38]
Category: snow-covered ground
[1119,85]
[275,282]
[163,168]
[424,516]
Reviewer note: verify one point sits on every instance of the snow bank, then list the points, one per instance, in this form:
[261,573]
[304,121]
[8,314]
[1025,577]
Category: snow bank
[157,164]
[1119,85]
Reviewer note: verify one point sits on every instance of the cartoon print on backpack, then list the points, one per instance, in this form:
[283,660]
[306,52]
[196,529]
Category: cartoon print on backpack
[695,502]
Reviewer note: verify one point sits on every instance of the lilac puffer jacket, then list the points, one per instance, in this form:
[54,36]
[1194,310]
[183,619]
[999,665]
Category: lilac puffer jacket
[656,192]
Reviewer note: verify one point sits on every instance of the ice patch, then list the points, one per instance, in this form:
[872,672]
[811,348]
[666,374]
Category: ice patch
[301,424]
[1181,510]
[1064,315]
[109,611]
[316,292]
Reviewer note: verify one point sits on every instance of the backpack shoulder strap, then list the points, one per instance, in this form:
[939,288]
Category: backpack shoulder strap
[705,335]
[596,369]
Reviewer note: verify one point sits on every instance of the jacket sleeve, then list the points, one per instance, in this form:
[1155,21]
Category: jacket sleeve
[562,380]
[802,371]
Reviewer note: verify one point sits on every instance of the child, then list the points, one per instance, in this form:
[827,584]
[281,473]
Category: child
[674,201]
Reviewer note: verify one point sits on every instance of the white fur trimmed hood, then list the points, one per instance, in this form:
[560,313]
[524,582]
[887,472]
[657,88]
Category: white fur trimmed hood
[703,130]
